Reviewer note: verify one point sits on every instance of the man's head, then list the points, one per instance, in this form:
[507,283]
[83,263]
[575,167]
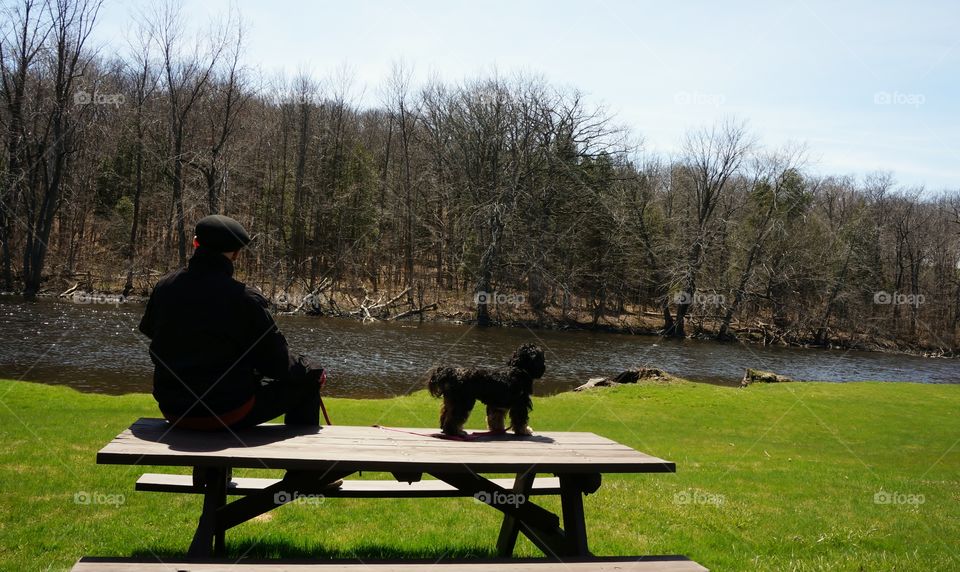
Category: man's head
[218,233]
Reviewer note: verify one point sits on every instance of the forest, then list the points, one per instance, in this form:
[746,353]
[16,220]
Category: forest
[502,198]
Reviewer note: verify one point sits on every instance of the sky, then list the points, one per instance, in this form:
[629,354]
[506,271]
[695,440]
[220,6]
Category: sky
[866,86]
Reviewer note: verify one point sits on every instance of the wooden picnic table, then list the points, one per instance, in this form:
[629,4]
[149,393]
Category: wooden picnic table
[316,457]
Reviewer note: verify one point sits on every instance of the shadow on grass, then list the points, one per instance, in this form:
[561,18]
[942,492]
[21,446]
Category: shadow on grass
[277,549]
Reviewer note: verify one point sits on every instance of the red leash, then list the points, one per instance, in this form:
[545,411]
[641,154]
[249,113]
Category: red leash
[323,380]
[469,437]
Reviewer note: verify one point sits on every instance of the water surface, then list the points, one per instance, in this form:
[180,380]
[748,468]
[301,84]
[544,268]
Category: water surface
[96,347]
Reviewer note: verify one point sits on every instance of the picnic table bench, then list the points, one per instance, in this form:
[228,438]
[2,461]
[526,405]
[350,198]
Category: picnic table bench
[316,457]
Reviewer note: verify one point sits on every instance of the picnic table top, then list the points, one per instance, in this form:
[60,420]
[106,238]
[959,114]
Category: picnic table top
[153,442]
[601,564]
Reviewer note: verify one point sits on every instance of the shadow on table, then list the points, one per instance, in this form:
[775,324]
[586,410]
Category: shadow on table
[487,438]
[159,431]
[277,549]
[190,441]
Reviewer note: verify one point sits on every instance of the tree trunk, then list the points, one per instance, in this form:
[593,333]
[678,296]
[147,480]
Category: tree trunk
[821,336]
[724,332]
[137,194]
[689,291]
[40,231]
[5,237]
[299,222]
[178,198]
[484,288]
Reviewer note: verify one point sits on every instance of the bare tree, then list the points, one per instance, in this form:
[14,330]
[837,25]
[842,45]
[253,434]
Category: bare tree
[186,76]
[491,185]
[777,191]
[304,103]
[711,158]
[226,99]
[24,32]
[405,114]
[143,69]
[71,23]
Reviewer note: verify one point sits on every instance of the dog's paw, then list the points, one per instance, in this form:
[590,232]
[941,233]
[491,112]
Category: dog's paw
[528,430]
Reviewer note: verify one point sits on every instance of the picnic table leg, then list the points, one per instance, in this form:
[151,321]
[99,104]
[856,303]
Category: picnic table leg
[574,524]
[541,526]
[207,537]
[288,489]
[510,528]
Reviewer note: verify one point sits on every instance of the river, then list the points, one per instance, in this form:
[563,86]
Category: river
[96,347]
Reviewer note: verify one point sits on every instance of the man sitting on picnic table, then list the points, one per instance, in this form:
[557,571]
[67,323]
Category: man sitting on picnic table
[220,362]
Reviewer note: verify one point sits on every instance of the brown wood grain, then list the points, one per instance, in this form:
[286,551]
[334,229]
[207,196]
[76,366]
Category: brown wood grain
[374,488]
[152,442]
[639,564]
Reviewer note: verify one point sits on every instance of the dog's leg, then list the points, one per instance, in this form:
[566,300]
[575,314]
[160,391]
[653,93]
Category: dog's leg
[495,419]
[454,415]
[444,415]
[519,416]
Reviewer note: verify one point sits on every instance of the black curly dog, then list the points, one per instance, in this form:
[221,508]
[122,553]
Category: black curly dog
[501,390]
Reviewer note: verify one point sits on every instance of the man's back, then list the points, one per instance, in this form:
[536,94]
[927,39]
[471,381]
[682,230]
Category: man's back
[209,333]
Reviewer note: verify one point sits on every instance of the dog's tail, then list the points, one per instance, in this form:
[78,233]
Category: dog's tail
[440,380]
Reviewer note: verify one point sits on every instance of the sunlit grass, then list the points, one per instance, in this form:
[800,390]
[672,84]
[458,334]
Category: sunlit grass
[778,477]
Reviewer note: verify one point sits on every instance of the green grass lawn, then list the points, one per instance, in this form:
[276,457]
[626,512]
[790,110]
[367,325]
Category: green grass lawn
[774,477]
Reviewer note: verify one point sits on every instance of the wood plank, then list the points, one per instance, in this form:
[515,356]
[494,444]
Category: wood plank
[152,442]
[281,492]
[335,436]
[215,496]
[541,526]
[362,435]
[352,488]
[619,564]
[510,527]
[273,434]
[574,525]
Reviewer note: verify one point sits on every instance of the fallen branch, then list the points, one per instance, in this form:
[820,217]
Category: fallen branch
[324,284]
[367,308]
[415,311]
[391,301]
[69,291]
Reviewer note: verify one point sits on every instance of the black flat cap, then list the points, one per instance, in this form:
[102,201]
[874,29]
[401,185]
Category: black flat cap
[221,234]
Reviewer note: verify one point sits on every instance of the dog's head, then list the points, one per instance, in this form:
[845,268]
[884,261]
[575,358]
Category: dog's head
[529,358]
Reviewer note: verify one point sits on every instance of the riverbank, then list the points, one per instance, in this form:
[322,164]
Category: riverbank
[511,310]
[812,476]
[98,348]
[451,309]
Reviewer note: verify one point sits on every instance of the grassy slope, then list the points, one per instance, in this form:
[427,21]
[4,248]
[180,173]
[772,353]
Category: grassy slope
[795,465]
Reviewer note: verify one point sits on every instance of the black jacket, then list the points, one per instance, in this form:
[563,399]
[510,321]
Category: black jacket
[212,339]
